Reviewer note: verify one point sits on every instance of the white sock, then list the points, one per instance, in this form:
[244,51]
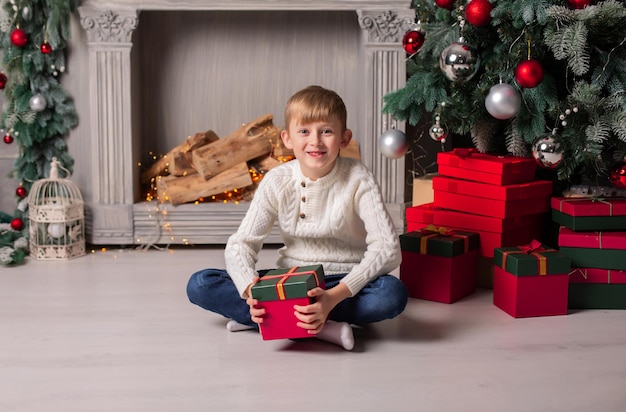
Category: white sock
[339,333]
[235,326]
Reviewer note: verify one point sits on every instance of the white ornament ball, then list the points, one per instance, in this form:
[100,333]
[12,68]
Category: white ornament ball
[503,101]
[27,13]
[393,144]
[56,230]
[38,102]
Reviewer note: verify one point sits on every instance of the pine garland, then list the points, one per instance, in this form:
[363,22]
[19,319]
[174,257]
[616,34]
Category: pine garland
[39,127]
[582,52]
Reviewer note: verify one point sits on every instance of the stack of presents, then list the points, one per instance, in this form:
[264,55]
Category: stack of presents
[484,227]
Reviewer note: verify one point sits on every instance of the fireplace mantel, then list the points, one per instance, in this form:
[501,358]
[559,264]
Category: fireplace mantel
[114,214]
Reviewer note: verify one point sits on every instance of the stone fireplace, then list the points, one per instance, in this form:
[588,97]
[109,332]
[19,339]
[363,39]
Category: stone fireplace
[120,86]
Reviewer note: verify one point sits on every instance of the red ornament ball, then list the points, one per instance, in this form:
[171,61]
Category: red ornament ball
[45,48]
[478,12]
[8,139]
[618,175]
[445,4]
[17,224]
[578,4]
[3,80]
[21,192]
[413,41]
[19,38]
[529,73]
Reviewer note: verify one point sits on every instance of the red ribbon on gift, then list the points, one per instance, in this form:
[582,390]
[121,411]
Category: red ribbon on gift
[464,152]
[534,248]
[432,231]
[280,285]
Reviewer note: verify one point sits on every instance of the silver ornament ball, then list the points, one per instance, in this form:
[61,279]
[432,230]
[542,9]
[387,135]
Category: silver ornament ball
[437,133]
[393,144]
[459,61]
[37,102]
[547,152]
[503,101]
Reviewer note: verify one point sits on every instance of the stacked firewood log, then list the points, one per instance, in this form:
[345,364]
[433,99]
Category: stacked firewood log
[205,165]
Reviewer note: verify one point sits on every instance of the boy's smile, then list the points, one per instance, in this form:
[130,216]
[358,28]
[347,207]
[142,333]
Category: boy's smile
[316,145]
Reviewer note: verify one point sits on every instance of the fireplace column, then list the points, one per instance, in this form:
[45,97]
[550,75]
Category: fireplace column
[385,71]
[109,43]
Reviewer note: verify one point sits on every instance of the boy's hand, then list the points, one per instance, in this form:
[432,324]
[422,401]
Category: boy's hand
[313,316]
[255,313]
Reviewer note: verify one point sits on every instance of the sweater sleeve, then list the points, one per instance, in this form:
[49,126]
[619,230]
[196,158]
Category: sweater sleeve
[383,246]
[243,246]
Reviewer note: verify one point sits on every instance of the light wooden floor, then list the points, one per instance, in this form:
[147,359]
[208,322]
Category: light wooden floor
[114,332]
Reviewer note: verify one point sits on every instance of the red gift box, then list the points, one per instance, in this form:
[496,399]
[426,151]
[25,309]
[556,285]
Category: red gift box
[590,213]
[595,240]
[577,206]
[529,296]
[278,291]
[593,275]
[438,278]
[490,200]
[498,170]
[531,281]
[493,232]
[509,192]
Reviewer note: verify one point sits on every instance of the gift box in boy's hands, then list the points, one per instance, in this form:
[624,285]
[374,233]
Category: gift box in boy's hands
[278,291]
[531,280]
[439,264]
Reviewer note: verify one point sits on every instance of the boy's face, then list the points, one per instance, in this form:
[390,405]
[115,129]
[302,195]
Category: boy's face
[316,145]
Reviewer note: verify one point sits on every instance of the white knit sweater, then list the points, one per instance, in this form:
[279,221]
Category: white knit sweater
[339,221]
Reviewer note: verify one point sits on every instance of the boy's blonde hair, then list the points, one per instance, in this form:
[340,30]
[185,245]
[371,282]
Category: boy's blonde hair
[313,104]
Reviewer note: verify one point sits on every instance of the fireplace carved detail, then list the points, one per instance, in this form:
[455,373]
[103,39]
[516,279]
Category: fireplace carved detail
[114,216]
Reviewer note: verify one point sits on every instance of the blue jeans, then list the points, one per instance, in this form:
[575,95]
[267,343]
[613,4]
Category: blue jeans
[383,298]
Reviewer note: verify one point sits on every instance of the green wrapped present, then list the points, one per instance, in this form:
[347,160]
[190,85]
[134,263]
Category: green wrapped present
[531,260]
[439,241]
[282,284]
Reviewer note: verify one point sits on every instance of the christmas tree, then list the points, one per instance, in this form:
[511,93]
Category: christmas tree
[38,113]
[524,77]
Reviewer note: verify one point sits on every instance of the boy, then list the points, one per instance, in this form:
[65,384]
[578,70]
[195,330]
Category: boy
[329,211]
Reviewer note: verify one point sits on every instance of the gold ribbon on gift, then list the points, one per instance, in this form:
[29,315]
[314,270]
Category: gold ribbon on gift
[432,231]
[280,285]
[582,271]
[534,248]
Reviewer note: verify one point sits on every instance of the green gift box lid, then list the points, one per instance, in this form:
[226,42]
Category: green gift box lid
[282,284]
[582,223]
[439,241]
[531,261]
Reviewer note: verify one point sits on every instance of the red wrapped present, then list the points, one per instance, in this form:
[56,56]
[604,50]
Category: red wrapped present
[468,164]
[595,275]
[491,200]
[493,232]
[604,250]
[589,213]
[589,239]
[439,264]
[278,291]
[531,281]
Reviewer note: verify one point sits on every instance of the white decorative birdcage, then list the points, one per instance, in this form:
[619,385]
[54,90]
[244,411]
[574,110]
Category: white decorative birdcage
[57,218]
